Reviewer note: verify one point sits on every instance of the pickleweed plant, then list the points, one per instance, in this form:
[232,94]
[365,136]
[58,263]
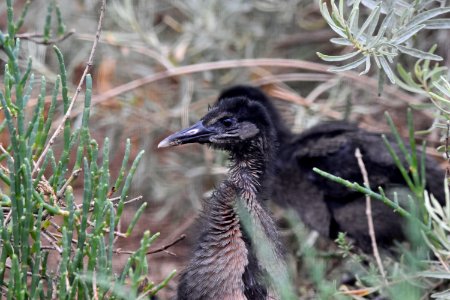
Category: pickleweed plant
[57,243]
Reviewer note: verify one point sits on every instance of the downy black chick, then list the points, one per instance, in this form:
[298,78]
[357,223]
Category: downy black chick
[225,263]
[326,206]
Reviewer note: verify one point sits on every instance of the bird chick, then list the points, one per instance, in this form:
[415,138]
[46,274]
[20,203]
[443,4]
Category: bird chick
[326,206]
[225,263]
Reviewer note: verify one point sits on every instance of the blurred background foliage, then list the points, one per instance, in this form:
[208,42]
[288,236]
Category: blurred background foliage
[141,38]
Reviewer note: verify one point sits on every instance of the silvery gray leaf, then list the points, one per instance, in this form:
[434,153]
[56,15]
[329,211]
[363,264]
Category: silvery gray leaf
[370,4]
[366,70]
[383,27]
[372,18]
[426,15]
[434,72]
[410,88]
[387,69]
[326,14]
[418,53]
[437,24]
[443,88]
[407,33]
[371,29]
[341,41]
[337,57]
[436,274]
[441,295]
[352,65]
[353,19]
[377,61]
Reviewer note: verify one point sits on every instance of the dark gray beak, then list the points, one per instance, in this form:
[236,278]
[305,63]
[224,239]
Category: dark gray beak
[197,133]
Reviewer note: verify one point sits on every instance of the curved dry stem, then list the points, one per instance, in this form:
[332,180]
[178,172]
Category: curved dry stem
[240,63]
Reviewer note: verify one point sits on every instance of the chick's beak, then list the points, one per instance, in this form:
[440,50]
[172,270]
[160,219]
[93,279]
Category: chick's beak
[197,133]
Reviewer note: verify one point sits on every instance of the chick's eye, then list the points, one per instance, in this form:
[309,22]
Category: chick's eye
[227,122]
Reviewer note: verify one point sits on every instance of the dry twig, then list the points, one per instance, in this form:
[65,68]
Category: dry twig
[8,217]
[362,167]
[160,249]
[240,63]
[51,240]
[77,91]
[6,152]
[38,38]
[72,177]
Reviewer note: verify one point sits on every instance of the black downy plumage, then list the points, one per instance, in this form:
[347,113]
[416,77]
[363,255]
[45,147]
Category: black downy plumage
[225,263]
[323,205]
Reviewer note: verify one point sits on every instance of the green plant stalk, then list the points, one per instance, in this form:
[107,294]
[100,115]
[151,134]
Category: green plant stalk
[146,241]
[365,190]
[63,287]
[104,179]
[69,220]
[74,136]
[35,278]
[53,210]
[398,163]
[43,168]
[136,217]
[40,290]
[2,125]
[127,185]
[141,260]
[42,135]
[112,224]
[398,139]
[121,174]
[62,167]
[100,218]
[52,160]
[37,113]
[14,282]
[412,143]
[74,290]
[7,249]
[10,16]
[35,130]
[28,90]
[411,158]
[48,22]
[28,218]
[125,270]
[22,15]
[163,283]
[423,170]
[14,210]
[44,261]
[84,131]
[20,117]
[101,262]
[417,180]
[25,76]
[6,111]
[15,62]
[92,252]
[93,156]
[87,195]
[61,26]
[117,291]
